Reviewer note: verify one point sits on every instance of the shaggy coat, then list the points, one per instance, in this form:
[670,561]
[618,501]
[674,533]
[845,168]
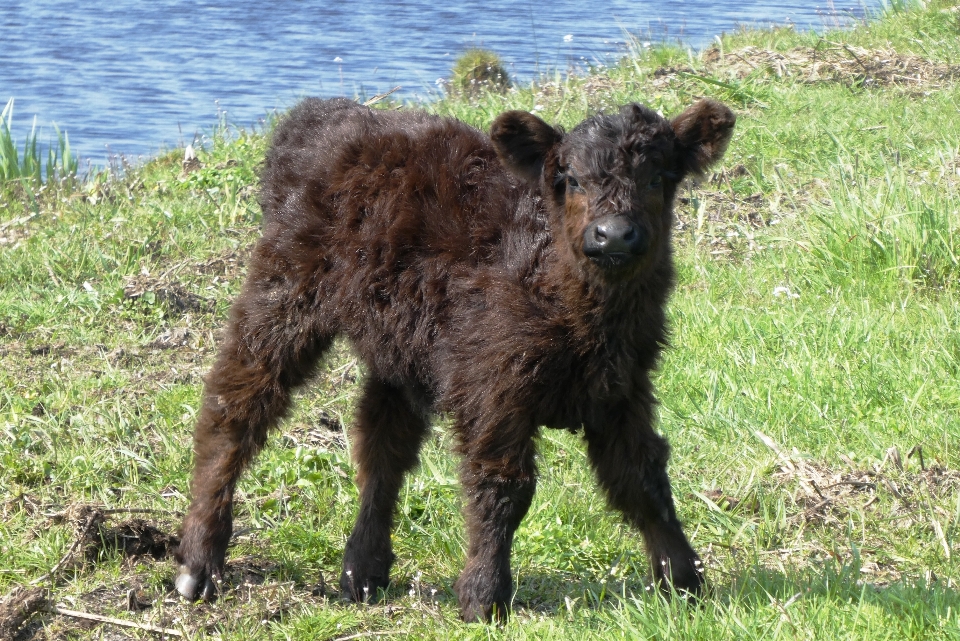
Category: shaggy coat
[511,281]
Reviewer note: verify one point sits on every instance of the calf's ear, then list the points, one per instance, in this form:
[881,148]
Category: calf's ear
[522,141]
[704,130]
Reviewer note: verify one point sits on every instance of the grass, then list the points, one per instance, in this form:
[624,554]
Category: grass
[25,172]
[811,394]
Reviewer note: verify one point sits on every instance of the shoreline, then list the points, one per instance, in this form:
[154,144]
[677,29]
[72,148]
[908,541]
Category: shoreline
[197,112]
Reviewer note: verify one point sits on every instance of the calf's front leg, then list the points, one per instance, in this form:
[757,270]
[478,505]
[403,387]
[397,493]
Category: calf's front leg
[386,438]
[630,461]
[499,480]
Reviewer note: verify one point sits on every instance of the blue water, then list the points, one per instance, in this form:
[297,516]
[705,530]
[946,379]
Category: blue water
[132,78]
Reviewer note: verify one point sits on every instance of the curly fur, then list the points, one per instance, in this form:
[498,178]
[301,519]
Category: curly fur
[453,263]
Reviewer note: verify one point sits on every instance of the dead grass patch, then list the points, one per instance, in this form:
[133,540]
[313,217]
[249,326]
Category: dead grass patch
[833,62]
[326,434]
[173,295]
[724,222]
[13,232]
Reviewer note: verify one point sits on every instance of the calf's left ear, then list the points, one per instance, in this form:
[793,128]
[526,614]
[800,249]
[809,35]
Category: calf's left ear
[704,131]
[522,141]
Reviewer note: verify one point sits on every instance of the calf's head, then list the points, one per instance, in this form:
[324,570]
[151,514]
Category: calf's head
[612,179]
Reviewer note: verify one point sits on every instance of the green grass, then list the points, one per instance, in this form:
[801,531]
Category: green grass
[22,173]
[811,393]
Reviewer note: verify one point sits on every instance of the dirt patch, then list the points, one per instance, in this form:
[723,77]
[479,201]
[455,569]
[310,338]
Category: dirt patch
[13,232]
[908,500]
[598,89]
[665,76]
[134,538]
[17,608]
[228,266]
[826,495]
[826,62]
[723,222]
[170,289]
[909,496]
[175,338]
[59,350]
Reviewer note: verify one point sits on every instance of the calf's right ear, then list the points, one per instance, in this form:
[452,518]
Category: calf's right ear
[522,141]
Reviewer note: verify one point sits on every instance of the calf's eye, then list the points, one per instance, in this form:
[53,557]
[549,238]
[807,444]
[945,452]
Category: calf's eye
[656,182]
[573,184]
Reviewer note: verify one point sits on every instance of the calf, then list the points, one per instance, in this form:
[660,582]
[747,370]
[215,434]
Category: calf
[511,281]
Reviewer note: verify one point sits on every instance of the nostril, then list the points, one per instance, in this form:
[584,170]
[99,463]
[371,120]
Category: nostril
[599,233]
[631,234]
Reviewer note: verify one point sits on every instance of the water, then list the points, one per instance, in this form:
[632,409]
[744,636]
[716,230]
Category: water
[132,78]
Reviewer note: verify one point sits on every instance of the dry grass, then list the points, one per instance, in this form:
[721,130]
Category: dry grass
[833,62]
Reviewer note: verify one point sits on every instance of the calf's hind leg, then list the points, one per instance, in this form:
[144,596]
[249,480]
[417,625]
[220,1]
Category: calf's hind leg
[386,440]
[271,346]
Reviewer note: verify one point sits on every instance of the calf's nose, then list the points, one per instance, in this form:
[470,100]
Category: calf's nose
[614,235]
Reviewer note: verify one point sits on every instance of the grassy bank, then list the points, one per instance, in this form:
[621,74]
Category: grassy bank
[811,395]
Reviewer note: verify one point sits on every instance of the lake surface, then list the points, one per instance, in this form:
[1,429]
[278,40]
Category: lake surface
[131,77]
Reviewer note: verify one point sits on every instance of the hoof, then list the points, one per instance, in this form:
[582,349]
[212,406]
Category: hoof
[685,580]
[483,597]
[195,586]
[495,614]
[362,589]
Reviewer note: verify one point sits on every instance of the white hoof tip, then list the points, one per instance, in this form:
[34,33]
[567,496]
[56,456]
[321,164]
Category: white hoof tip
[186,584]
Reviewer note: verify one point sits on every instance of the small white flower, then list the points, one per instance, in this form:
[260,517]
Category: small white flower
[780,290]
[538,107]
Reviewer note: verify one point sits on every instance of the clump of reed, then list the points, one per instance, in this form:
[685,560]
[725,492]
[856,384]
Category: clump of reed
[27,170]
